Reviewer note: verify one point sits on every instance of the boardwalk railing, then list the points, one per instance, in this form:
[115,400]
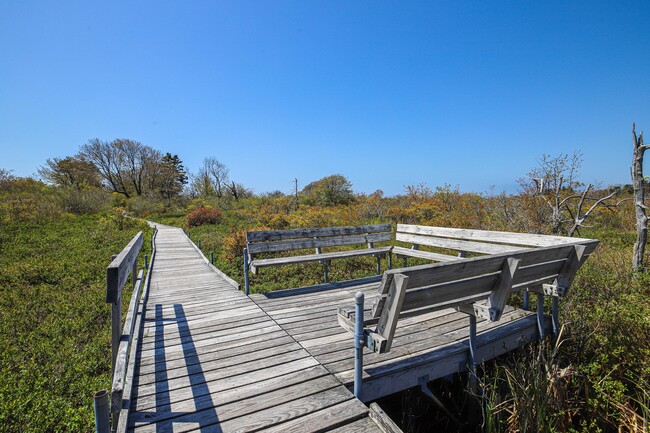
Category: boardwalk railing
[117,274]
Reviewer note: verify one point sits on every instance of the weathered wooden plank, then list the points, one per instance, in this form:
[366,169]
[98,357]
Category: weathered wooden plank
[455,244]
[187,411]
[118,271]
[523,239]
[420,254]
[364,425]
[250,369]
[275,235]
[381,418]
[304,244]
[440,272]
[388,320]
[325,419]
[307,258]
[121,361]
[236,387]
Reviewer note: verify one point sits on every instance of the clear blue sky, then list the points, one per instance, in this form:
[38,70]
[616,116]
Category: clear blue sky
[385,93]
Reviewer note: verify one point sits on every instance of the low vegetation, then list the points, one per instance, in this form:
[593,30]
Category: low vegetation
[54,322]
[56,238]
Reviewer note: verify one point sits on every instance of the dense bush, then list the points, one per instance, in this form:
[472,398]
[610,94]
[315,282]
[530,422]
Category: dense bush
[203,215]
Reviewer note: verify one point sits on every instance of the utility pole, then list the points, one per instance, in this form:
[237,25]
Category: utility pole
[296,182]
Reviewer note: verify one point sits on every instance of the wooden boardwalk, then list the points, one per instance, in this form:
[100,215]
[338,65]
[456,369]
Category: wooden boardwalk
[212,360]
[426,347]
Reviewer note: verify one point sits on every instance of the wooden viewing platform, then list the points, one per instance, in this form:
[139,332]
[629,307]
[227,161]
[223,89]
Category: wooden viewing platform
[209,358]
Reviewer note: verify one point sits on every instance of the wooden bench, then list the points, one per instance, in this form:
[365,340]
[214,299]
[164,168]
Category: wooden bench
[276,241]
[478,286]
[463,241]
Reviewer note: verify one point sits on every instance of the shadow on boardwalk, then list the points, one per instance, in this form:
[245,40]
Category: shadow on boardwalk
[205,414]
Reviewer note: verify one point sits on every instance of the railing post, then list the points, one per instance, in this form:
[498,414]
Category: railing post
[472,353]
[212,257]
[146,262]
[198,243]
[390,260]
[102,423]
[540,315]
[526,299]
[555,317]
[246,271]
[358,345]
[378,265]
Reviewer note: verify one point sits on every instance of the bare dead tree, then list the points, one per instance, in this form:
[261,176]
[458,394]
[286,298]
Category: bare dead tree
[555,181]
[639,201]
[579,218]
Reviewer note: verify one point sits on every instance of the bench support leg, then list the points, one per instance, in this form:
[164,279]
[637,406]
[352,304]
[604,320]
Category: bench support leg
[325,269]
[246,270]
[378,265]
[358,344]
[390,260]
[540,316]
[472,353]
[556,318]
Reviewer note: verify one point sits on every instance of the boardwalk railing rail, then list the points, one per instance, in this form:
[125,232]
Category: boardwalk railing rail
[122,336]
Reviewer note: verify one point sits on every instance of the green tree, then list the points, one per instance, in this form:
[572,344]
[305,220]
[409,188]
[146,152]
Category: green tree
[173,176]
[329,191]
[70,172]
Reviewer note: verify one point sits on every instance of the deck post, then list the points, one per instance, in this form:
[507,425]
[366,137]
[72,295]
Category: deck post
[212,257]
[526,305]
[358,345]
[325,269]
[378,265]
[146,262]
[246,270]
[405,262]
[555,317]
[198,243]
[390,260]
[472,353]
[540,315]
[102,423]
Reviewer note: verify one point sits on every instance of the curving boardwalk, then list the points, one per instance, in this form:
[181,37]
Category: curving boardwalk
[212,360]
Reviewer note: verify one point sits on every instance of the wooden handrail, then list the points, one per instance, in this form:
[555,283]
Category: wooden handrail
[117,273]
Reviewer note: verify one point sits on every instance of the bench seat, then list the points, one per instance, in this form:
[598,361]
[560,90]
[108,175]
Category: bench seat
[280,261]
[410,252]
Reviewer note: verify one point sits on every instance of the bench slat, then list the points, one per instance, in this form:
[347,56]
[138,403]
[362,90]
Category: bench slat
[524,239]
[401,251]
[276,235]
[455,244]
[303,244]
[279,261]
[533,262]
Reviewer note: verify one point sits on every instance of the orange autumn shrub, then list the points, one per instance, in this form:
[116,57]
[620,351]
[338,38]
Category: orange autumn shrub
[203,215]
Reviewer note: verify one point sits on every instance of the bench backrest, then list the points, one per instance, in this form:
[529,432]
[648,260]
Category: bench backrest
[482,282]
[270,241]
[475,241]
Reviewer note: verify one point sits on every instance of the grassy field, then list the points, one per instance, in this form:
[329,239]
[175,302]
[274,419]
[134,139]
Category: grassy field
[54,322]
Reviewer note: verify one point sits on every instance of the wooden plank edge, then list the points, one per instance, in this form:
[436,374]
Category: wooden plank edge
[383,421]
[232,282]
